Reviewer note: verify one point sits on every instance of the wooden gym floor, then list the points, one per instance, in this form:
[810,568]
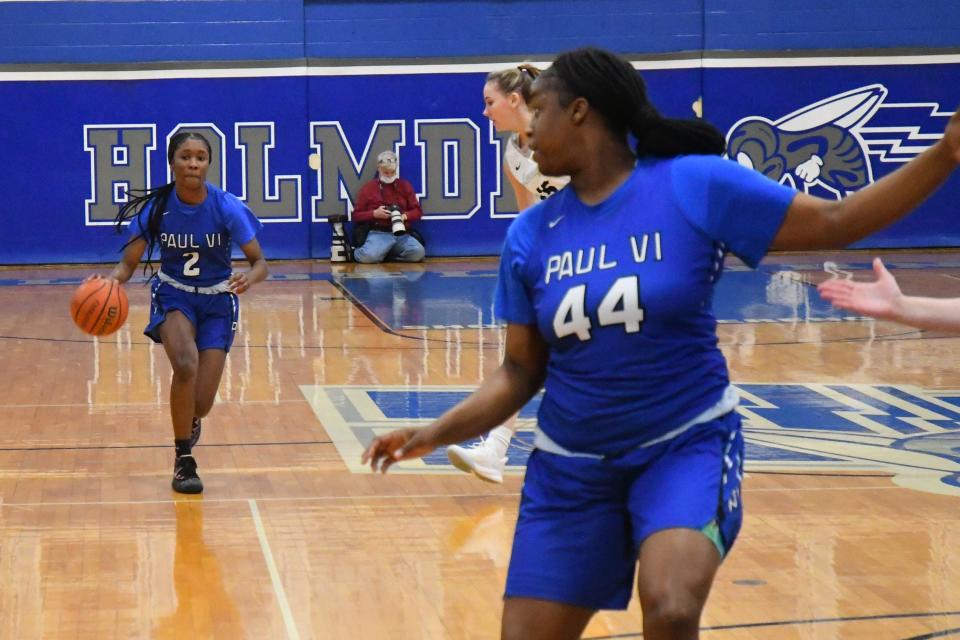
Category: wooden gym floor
[852,494]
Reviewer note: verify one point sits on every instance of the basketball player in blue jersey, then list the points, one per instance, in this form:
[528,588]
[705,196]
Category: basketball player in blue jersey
[607,289]
[194,309]
[505,96]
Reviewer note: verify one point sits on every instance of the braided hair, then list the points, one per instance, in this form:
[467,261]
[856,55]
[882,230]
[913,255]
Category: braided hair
[614,88]
[156,199]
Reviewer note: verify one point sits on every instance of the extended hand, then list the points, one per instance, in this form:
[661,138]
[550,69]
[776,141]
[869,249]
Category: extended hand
[877,299]
[402,444]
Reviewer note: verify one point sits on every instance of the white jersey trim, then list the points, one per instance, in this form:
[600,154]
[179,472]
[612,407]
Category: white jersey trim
[727,403]
[220,287]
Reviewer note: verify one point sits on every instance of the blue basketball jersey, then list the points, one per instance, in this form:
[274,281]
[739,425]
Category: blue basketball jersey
[622,293]
[196,240]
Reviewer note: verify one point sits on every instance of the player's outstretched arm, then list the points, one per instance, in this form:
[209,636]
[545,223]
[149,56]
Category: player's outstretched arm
[883,299]
[817,223]
[501,395]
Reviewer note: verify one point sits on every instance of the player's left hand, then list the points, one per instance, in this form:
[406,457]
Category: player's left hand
[402,444]
[238,283]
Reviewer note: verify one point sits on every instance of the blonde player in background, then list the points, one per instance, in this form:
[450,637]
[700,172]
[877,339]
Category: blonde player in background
[505,97]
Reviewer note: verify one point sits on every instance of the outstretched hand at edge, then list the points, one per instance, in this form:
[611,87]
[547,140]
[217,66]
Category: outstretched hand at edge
[878,299]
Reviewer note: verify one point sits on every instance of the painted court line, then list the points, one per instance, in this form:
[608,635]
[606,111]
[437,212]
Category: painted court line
[352,498]
[281,595]
[103,405]
[422,496]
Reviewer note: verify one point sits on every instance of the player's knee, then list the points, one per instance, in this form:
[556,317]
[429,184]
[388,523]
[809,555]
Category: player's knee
[185,366]
[671,613]
[540,629]
[517,630]
[512,633]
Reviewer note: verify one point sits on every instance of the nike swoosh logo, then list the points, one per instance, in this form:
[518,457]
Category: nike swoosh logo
[553,223]
[517,168]
[164,213]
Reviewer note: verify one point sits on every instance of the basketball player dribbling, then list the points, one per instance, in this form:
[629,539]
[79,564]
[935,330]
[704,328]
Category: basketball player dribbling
[194,308]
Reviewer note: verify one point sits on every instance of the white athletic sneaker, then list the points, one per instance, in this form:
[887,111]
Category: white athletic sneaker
[479,458]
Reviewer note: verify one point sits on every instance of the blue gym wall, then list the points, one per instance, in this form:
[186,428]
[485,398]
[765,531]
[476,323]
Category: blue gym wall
[881,78]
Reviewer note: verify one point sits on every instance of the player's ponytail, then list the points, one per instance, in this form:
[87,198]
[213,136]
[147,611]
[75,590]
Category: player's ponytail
[517,79]
[157,199]
[672,137]
[613,87]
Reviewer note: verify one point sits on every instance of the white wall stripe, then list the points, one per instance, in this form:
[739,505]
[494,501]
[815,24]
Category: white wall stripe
[707,62]
[823,472]
[711,62]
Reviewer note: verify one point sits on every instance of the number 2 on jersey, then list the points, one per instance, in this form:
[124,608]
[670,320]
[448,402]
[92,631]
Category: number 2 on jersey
[620,305]
[188,267]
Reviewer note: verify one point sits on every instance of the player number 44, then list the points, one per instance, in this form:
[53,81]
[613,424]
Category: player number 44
[620,305]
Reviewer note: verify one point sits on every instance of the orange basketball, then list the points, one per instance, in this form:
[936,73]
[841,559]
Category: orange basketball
[99,307]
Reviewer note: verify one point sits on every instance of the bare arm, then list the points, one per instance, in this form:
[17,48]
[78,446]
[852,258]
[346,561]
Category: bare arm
[511,386]
[817,223]
[518,378]
[882,299]
[241,281]
[129,261]
[940,314]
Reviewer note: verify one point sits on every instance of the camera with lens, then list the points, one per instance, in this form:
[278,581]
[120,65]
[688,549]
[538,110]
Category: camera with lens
[396,219]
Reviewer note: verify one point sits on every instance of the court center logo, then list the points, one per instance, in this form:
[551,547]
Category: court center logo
[910,434]
[834,147]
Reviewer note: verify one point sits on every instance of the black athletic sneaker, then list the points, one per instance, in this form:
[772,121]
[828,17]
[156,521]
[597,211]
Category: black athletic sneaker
[195,433]
[185,478]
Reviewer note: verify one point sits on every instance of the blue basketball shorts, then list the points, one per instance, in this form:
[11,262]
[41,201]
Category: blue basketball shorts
[582,520]
[215,316]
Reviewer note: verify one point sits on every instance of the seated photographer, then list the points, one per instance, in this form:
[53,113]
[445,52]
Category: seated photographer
[387,205]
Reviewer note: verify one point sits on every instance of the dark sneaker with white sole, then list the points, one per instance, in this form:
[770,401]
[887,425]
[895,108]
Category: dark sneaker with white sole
[185,478]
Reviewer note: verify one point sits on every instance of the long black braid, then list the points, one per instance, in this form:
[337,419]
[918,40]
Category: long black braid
[157,199]
[614,88]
